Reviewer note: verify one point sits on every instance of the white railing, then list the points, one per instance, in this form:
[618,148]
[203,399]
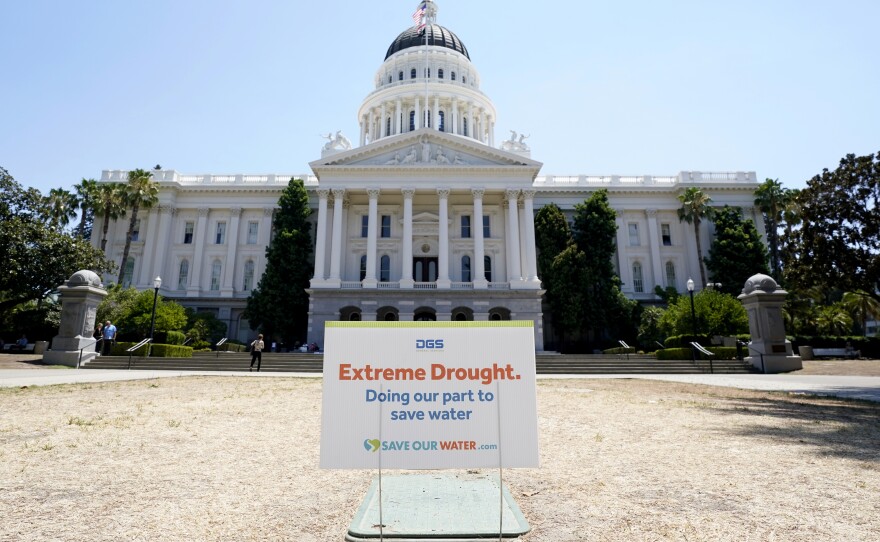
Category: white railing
[350,285]
[645,180]
[425,285]
[462,286]
[388,285]
[171,176]
[499,286]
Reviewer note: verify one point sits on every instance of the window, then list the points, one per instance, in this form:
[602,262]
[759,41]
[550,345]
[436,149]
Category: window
[365,225]
[386,226]
[400,76]
[666,235]
[412,121]
[465,226]
[464,128]
[384,268]
[452,76]
[442,126]
[634,235]
[220,237]
[248,276]
[428,72]
[188,232]
[487,268]
[412,73]
[363,267]
[388,126]
[440,74]
[136,232]
[638,283]
[128,273]
[215,275]
[487,230]
[670,275]
[465,268]
[389,79]
[252,231]
[463,80]
[183,274]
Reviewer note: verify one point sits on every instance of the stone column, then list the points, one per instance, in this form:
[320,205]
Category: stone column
[654,245]
[514,272]
[436,113]
[363,124]
[80,298]
[406,265]
[336,247]
[479,277]
[491,131]
[443,230]
[531,271]
[321,239]
[624,270]
[418,120]
[372,126]
[397,111]
[151,238]
[769,350]
[166,215]
[195,279]
[226,288]
[456,129]
[372,234]
[382,124]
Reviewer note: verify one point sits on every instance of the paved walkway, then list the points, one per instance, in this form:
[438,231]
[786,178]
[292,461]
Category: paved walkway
[851,387]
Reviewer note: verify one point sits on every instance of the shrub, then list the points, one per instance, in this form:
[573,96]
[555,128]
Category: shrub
[171,351]
[175,337]
[119,349]
[721,352]
[619,350]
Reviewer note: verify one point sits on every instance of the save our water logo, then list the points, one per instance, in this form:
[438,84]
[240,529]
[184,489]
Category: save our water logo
[374,445]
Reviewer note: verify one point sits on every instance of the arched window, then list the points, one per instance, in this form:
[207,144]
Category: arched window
[388,127]
[248,276]
[428,72]
[363,267]
[463,80]
[452,76]
[400,76]
[389,79]
[464,127]
[461,317]
[216,267]
[442,126]
[384,268]
[465,268]
[412,121]
[638,283]
[356,316]
[412,73]
[670,275]
[440,74]
[128,272]
[487,268]
[390,317]
[183,274]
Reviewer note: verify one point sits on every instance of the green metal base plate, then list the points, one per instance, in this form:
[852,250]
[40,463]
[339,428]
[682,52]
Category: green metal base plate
[439,506]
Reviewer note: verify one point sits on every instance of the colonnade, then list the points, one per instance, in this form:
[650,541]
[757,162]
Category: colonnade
[459,117]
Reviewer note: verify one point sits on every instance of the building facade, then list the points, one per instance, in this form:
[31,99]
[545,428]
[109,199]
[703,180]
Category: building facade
[425,219]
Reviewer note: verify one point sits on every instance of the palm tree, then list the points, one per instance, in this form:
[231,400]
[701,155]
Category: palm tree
[86,195]
[862,306]
[772,199]
[60,207]
[833,320]
[110,202]
[695,207]
[140,191]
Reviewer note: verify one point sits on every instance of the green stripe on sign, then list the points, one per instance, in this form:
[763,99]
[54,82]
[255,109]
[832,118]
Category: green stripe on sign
[502,323]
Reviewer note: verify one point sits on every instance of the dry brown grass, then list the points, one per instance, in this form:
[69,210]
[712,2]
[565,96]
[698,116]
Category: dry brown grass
[224,458]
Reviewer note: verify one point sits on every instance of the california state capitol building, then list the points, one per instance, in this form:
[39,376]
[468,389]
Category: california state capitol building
[429,216]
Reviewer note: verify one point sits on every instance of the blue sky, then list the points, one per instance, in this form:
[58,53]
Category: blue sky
[784,88]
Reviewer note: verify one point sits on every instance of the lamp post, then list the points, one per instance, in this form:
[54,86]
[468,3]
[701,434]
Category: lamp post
[157,282]
[690,285]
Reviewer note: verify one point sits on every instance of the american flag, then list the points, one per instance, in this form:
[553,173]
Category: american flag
[418,16]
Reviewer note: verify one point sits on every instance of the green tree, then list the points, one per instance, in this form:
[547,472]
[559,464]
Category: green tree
[60,208]
[595,231]
[140,192]
[772,199]
[717,314]
[552,236]
[37,258]
[838,242]
[737,252]
[110,204]
[650,332]
[695,207]
[862,307]
[566,279]
[132,312]
[279,304]
[833,320]
[86,198]
[552,240]
[204,328]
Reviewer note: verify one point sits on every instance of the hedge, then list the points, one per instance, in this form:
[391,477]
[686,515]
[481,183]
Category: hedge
[232,347]
[159,350]
[620,350]
[721,352]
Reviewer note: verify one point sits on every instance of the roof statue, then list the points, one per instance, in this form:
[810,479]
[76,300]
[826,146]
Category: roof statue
[336,143]
[514,145]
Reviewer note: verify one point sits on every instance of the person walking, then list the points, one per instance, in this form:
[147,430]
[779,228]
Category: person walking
[109,332]
[99,332]
[257,352]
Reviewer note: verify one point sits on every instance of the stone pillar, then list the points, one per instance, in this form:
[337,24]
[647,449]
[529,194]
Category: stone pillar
[406,264]
[80,298]
[418,120]
[336,247]
[397,112]
[654,245]
[456,129]
[195,279]
[321,239]
[436,113]
[166,215]
[514,272]
[769,350]
[531,271]
[382,122]
[231,249]
[372,234]
[443,229]
[479,277]
[150,234]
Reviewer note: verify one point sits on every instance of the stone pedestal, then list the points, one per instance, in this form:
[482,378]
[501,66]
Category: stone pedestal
[769,350]
[80,297]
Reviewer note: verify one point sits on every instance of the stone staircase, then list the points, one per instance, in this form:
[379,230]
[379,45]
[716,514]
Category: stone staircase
[313,363]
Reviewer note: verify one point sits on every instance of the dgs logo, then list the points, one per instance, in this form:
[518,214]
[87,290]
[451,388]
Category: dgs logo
[429,344]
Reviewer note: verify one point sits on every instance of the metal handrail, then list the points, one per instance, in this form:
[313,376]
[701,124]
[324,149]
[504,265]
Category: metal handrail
[219,344]
[749,346]
[135,347]
[627,347]
[698,347]
[94,342]
[186,341]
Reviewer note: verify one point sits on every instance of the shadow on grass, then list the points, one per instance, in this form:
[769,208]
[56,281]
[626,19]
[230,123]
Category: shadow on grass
[836,427]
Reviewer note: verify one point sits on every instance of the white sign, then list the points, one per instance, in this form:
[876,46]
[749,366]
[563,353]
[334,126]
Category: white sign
[429,395]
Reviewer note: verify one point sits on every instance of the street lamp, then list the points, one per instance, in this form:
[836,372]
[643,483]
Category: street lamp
[690,286]
[156,283]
